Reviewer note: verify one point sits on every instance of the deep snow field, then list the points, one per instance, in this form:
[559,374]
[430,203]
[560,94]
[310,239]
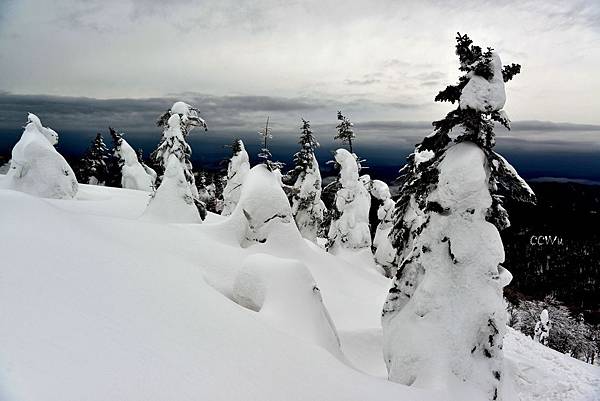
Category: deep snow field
[97,304]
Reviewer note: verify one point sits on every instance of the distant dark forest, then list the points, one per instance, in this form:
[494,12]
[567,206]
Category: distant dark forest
[554,248]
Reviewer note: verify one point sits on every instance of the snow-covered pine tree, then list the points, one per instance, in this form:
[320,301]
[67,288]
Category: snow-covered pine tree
[37,168]
[350,225]
[93,168]
[385,254]
[173,142]
[238,167]
[542,328]
[172,202]
[307,206]
[444,319]
[189,116]
[133,175]
[113,164]
[345,132]
[149,170]
[265,153]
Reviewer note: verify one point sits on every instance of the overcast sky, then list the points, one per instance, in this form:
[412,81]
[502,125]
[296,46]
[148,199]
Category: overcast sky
[386,59]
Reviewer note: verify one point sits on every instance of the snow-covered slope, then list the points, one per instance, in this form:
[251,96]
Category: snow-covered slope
[96,304]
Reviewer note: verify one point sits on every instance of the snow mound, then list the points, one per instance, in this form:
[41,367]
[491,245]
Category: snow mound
[284,293]
[485,95]
[134,175]
[37,168]
[173,202]
[262,206]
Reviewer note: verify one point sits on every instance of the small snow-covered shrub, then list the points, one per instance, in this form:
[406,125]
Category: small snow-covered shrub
[37,168]
[262,205]
[385,253]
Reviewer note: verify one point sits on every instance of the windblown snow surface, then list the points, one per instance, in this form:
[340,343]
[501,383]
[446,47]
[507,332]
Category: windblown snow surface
[96,304]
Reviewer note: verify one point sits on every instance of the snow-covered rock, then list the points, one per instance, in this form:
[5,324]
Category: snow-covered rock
[238,167]
[444,320]
[37,168]
[133,174]
[352,201]
[485,95]
[173,202]
[285,294]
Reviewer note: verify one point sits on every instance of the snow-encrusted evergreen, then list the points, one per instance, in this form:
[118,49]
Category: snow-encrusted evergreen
[92,168]
[238,167]
[173,142]
[307,206]
[133,174]
[173,202]
[542,328]
[149,170]
[444,318]
[188,115]
[37,168]
[345,132]
[350,226]
[384,252]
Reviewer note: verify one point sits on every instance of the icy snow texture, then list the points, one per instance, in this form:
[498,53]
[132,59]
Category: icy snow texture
[140,322]
[441,316]
[172,202]
[238,167]
[133,174]
[352,201]
[385,253]
[483,95]
[307,206]
[37,168]
[285,294]
[262,205]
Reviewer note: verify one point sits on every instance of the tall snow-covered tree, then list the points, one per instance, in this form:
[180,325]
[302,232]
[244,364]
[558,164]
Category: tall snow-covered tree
[113,164]
[345,132]
[350,226]
[133,174]
[307,206]
[37,168]
[238,167]
[542,328]
[444,319]
[189,116]
[93,167]
[173,142]
[149,170]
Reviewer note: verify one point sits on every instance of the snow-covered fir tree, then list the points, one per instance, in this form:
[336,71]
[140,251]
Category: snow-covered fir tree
[189,116]
[444,319]
[384,252]
[307,206]
[265,154]
[93,168]
[37,168]
[133,174]
[113,164]
[173,142]
[173,202]
[542,328]
[345,132]
[350,224]
[149,170]
[238,167]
